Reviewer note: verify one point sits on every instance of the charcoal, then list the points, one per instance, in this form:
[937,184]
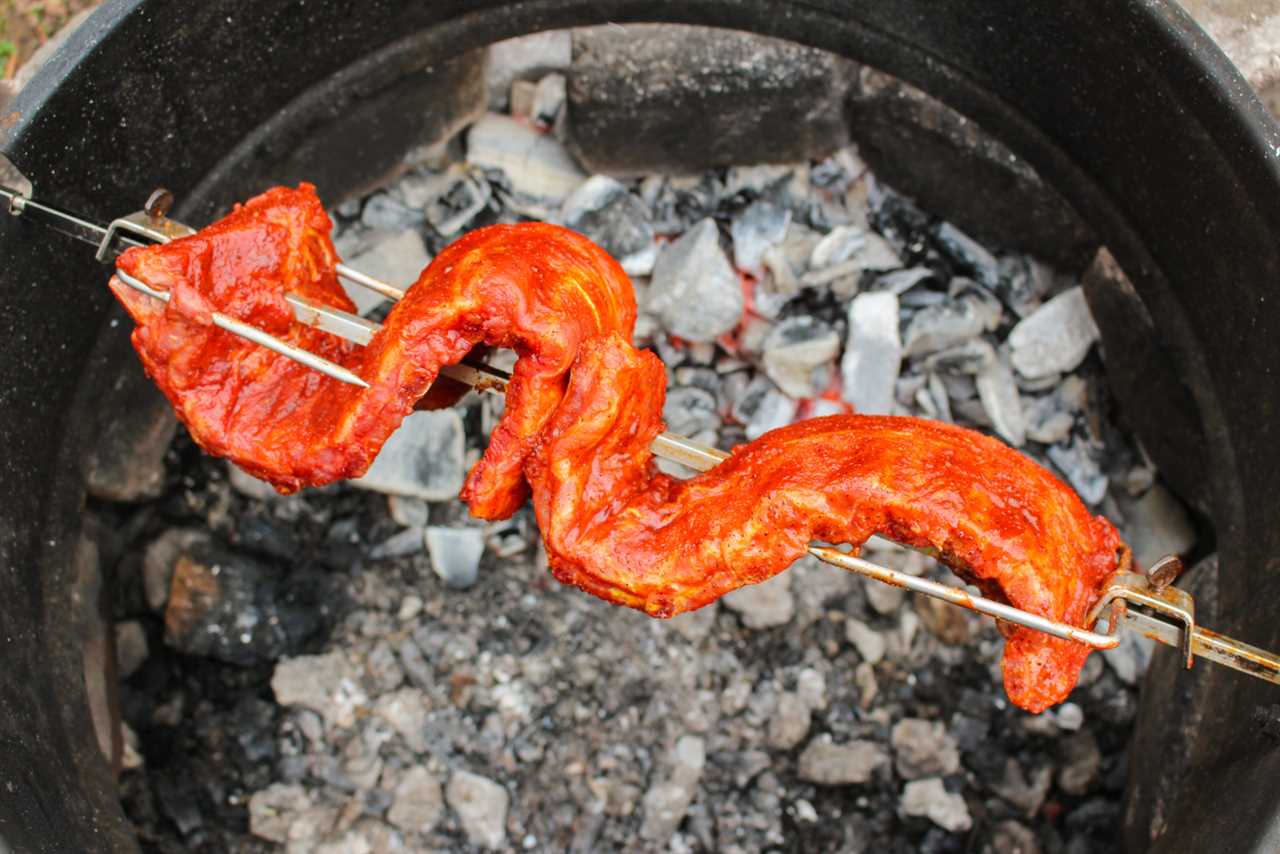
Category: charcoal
[758,228]
[790,722]
[762,407]
[908,388]
[406,711]
[524,58]
[131,647]
[930,152]
[250,486]
[1000,399]
[1027,792]
[455,554]
[1047,420]
[841,244]
[870,644]
[1055,338]
[407,542]
[224,605]
[397,261]
[1157,524]
[877,254]
[923,749]
[1070,717]
[667,801]
[1024,283]
[933,400]
[781,183]
[837,172]
[422,459]
[959,386]
[690,410]
[481,806]
[384,212]
[939,327]
[930,799]
[1010,837]
[409,512]
[455,199]
[161,558]
[694,290]
[742,99]
[1129,660]
[873,353]
[764,605]
[788,261]
[605,211]
[418,803]
[828,764]
[523,93]
[970,256]
[797,353]
[1078,465]
[1080,760]
[697,376]
[326,684]
[548,99]
[901,281]
[536,164]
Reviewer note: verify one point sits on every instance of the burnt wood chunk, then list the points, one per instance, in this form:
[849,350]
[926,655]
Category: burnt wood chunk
[650,97]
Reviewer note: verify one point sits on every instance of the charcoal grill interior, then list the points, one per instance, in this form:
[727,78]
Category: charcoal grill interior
[1175,171]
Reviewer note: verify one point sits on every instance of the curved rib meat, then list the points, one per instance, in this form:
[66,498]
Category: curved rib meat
[614,526]
[537,289]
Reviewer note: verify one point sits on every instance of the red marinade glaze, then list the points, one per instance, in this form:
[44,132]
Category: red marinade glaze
[583,407]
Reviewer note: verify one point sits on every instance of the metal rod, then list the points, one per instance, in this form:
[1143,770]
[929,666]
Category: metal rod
[257,336]
[16,204]
[1211,645]
[963,598]
[367,281]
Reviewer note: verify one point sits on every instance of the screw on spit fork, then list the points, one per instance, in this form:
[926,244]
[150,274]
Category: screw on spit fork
[1164,572]
[159,203]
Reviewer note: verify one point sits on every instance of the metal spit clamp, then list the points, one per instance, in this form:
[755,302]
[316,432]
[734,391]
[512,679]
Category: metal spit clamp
[1169,617]
[152,223]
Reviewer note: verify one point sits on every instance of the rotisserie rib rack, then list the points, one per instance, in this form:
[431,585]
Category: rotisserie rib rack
[1143,602]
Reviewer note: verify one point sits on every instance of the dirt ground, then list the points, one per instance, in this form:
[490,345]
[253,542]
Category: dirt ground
[27,24]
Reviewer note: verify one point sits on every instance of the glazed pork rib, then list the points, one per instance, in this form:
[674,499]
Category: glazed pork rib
[583,407]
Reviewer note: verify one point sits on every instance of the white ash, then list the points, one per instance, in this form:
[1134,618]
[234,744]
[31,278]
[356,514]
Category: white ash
[923,749]
[422,459]
[693,273]
[930,799]
[829,764]
[384,212]
[455,554]
[1156,524]
[873,353]
[764,605]
[757,229]
[798,353]
[535,163]
[1055,338]
[614,218]
[999,395]
[481,806]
